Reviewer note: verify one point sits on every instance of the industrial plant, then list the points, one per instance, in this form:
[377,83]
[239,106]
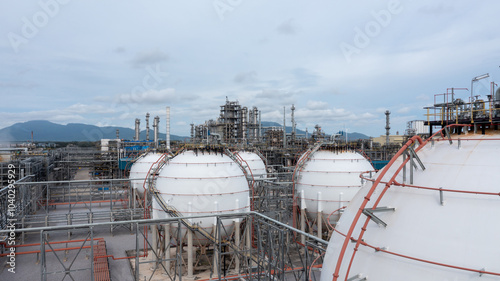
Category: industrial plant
[237,200]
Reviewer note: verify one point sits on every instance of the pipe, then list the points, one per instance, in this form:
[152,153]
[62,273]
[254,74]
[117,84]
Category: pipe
[49,250]
[86,202]
[54,242]
[166,250]
[51,243]
[320,216]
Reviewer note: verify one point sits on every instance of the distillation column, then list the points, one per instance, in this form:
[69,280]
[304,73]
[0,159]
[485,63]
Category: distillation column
[168,129]
[387,127]
[156,121]
[244,123]
[255,123]
[137,129]
[293,122]
[147,126]
[284,127]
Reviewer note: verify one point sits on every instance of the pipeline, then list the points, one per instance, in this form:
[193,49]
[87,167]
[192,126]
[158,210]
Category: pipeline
[51,243]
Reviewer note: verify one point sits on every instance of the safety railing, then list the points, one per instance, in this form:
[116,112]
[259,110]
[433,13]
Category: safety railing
[406,150]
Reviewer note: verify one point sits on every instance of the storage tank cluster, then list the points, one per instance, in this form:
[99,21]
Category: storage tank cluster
[327,181]
[435,223]
[253,164]
[140,169]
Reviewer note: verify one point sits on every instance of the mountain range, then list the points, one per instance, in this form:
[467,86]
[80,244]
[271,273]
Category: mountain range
[47,131]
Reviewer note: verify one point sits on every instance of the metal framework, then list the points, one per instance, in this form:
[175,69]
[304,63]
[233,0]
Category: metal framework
[410,157]
[448,109]
[269,251]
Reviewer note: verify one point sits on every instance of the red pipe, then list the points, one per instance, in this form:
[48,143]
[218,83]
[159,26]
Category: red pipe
[86,202]
[49,250]
[421,260]
[365,202]
[55,242]
[370,193]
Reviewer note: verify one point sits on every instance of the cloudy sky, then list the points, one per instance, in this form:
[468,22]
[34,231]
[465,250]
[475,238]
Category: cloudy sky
[342,63]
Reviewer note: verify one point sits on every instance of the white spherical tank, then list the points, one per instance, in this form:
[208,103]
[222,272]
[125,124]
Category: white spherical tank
[139,171]
[202,184]
[328,181]
[256,165]
[437,223]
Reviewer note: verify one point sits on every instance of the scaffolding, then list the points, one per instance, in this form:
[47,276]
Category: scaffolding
[265,249]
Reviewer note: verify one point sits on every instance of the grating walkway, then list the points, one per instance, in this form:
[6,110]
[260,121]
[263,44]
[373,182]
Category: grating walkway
[101,267]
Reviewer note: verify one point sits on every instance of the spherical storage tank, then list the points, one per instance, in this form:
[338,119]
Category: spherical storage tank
[256,165]
[139,170]
[205,183]
[438,223]
[330,178]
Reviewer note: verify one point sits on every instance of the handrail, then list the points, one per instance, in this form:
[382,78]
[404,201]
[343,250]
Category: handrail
[381,249]
[236,157]
[367,198]
[300,164]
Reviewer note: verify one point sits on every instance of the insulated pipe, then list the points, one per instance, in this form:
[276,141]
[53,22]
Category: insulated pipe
[302,216]
[320,216]
[216,261]
[190,271]
[154,240]
[237,238]
[166,251]
[249,240]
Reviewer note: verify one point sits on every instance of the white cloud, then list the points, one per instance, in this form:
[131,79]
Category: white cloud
[245,77]
[88,64]
[403,110]
[317,105]
[287,27]
[149,58]
[166,96]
